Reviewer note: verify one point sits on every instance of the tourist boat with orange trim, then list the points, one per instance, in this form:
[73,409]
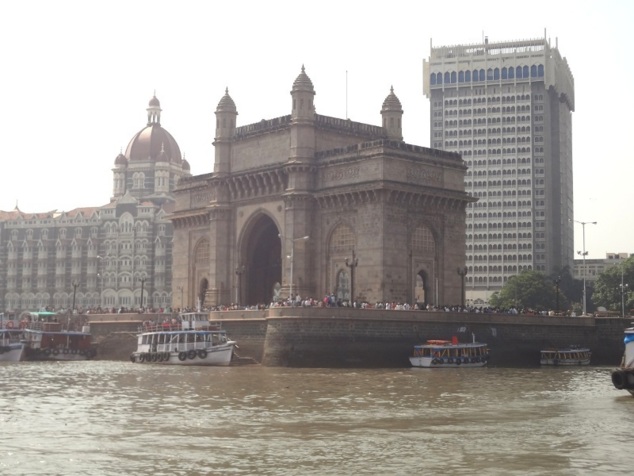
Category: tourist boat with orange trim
[12,343]
[189,340]
[46,339]
[569,356]
[450,354]
[623,377]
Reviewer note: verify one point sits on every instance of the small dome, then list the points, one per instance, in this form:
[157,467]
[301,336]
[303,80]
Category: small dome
[121,160]
[391,102]
[186,165]
[154,102]
[226,103]
[303,83]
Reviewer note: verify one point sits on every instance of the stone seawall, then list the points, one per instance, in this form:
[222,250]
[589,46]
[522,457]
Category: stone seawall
[342,337]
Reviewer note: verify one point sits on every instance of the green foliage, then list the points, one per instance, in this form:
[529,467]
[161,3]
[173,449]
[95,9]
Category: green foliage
[530,289]
[607,289]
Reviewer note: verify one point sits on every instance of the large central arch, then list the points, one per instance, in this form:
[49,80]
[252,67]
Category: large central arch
[263,266]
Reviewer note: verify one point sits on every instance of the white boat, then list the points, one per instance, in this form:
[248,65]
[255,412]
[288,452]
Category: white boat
[46,339]
[448,354]
[11,340]
[623,377]
[188,340]
[569,356]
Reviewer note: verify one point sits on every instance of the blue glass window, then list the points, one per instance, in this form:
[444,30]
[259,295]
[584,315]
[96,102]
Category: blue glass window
[482,76]
[432,79]
[467,76]
[525,71]
[453,76]
[461,76]
[504,73]
[475,75]
[533,71]
[511,73]
[540,70]
[518,72]
[496,73]
[447,78]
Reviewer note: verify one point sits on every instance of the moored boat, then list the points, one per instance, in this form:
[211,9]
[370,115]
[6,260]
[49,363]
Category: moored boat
[189,340]
[11,340]
[448,354]
[568,356]
[46,339]
[623,377]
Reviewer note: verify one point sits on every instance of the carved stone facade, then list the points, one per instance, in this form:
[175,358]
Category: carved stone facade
[292,200]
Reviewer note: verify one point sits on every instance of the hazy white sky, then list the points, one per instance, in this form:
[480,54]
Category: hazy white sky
[77,77]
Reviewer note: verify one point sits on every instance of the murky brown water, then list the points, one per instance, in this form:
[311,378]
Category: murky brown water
[117,418]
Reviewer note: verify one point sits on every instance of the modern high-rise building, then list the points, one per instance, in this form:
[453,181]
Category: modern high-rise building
[507,108]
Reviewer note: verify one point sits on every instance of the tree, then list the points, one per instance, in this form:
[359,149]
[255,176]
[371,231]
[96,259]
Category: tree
[530,289]
[607,290]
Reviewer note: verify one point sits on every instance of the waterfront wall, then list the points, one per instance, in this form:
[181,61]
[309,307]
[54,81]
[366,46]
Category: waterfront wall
[344,337]
[335,337]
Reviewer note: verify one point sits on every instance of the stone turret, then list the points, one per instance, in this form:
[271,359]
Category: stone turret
[392,113]
[226,113]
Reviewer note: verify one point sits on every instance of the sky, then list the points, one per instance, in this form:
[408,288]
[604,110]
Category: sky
[77,77]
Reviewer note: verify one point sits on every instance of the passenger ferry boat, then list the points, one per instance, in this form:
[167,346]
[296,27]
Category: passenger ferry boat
[447,354]
[569,356]
[46,339]
[11,340]
[623,377]
[188,340]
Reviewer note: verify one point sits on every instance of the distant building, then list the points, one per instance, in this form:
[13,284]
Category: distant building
[103,256]
[506,108]
[312,205]
[594,267]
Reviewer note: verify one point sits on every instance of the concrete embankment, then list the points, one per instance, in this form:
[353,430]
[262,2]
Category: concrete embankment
[341,337]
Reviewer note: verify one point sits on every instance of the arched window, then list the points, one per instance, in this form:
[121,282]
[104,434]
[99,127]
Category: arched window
[504,73]
[540,70]
[525,71]
[467,76]
[447,78]
[453,76]
[475,75]
[533,71]
[496,73]
[432,79]
[461,77]
[518,72]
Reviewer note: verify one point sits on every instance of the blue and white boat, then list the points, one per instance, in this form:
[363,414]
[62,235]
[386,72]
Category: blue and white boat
[450,353]
[189,340]
[623,377]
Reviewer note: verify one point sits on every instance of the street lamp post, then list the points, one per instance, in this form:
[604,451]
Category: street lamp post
[100,276]
[462,272]
[623,287]
[352,264]
[75,284]
[292,257]
[239,270]
[142,286]
[583,254]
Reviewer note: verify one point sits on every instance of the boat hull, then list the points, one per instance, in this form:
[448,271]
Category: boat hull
[12,352]
[427,362]
[209,356]
[565,362]
[623,377]
[62,355]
